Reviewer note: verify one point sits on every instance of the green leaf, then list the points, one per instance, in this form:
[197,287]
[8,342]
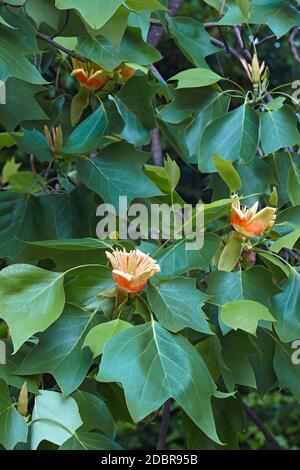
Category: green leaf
[228,173]
[285,307]
[74,244]
[34,142]
[23,216]
[237,368]
[89,441]
[24,182]
[272,261]
[244,315]
[253,284]
[141,5]
[233,136]
[95,12]
[87,134]
[21,104]
[294,180]
[192,39]
[161,366]
[74,213]
[288,373]
[10,168]
[133,131]
[8,370]
[287,241]
[59,350]
[186,104]
[79,103]
[244,6]
[86,288]
[276,104]
[42,11]
[132,49]
[279,15]
[54,418]
[100,175]
[231,253]
[177,260]
[194,78]
[278,129]
[273,199]
[94,413]
[31,299]
[230,421]
[13,428]
[142,105]
[252,184]
[97,338]
[177,304]
[7,139]
[173,172]
[13,62]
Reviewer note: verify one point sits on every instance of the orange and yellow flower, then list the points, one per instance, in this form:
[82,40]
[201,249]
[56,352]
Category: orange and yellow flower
[131,271]
[90,75]
[125,71]
[250,223]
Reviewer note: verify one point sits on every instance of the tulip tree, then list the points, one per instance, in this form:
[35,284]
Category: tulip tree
[91,112]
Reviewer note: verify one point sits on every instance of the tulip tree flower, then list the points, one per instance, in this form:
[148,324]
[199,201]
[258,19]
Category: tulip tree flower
[132,270]
[93,77]
[250,223]
[90,75]
[55,139]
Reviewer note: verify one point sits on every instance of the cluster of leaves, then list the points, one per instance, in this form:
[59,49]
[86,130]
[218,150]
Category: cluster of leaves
[203,331]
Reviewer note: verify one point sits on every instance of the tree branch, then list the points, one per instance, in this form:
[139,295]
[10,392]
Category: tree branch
[216,42]
[55,44]
[156,31]
[268,436]
[164,426]
[241,42]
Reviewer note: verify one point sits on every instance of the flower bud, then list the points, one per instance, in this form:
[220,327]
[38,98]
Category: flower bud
[23,400]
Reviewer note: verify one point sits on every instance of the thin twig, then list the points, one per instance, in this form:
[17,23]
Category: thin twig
[265,39]
[239,37]
[223,38]
[164,426]
[269,437]
[156,150]
[57,78]
[55,44]
[59,32]
[32,165]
